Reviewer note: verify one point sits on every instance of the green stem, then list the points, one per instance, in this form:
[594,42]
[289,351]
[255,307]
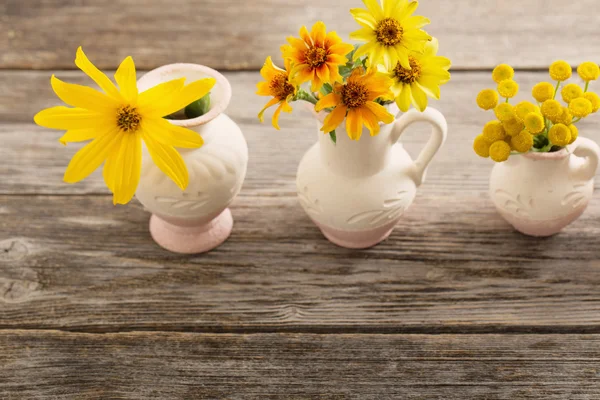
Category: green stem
[587,86]
[576,121]
[556,90]
[507,100]
[304,95]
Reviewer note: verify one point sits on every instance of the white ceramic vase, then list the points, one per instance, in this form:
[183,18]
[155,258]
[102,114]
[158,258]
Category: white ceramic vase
[541,193]
[357,191]
[196,220]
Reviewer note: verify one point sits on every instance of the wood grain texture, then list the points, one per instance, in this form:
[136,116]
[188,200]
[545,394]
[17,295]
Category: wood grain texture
[54,365]
[234,34]
[73,261]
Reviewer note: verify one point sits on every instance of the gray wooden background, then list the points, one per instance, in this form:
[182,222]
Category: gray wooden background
[454,306]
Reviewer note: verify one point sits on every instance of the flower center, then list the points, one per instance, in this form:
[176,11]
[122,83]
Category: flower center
[280,87]
[389,32]
[315,57]
[354,95]
[408,75]
[128,119]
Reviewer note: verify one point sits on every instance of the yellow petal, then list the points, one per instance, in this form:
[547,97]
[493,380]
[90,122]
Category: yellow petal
[83,96]
[416,22]
[371,122]
[88,159]
[364,18]
[128,168]
[70,118]
[263,89]
[271,103]
[334,119]
[374,8]
[407,11]
[168,160]
[354,124]
[404,99]
[166,133]
[329,101]
[190,93]
[84,64]
[419,98]
[323,73]
[364,34]
[154,100]
[127,80]
[306,36]
[332,38]
[110,169]
[380,112]
[79,135]
[284,106]
[268,70]
[318,33]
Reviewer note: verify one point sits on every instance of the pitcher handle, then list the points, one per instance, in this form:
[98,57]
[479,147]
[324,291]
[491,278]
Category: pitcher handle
[590,152]
[436,140]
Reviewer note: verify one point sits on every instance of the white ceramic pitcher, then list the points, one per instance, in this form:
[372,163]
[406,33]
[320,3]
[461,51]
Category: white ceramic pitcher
[357,191]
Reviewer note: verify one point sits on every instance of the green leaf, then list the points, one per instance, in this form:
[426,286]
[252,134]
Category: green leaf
[333,137]
[198,108]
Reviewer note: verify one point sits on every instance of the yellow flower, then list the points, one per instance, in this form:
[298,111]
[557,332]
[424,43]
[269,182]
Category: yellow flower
[316,56]
[487,99]
[481,146]
[570,92]
[581,107]
[428,71]
[524,108]
[504,112]
[594,99]
[534,123]
[543,91]
[566,118]
[118,120]
[508,88]
[588,71]
[513,127]
[574,133]
[355,101]
[552,110]
[559,135]
[500,151]
[494,131]
[560,70]
[279,84]
[391,32]
[523,142]
[503,72]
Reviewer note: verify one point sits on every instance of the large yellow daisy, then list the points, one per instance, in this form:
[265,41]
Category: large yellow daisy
[317,56]
[427,73]
[355,101]
[117,121]
[279,84]
[391,32]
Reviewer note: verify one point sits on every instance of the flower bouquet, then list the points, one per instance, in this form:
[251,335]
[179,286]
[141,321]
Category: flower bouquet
[357,189]
[544,178]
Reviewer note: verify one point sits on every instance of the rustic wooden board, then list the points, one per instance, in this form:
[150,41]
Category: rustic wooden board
[231,34]
[58,365]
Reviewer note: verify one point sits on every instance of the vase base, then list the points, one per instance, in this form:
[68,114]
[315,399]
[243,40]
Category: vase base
[357,239]
[542,228]
[191,239]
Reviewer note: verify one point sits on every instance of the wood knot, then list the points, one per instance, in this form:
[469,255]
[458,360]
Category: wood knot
[12,250]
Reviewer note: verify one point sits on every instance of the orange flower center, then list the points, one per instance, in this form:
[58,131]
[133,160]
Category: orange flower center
[408,75]
[315,57]
[389,32]
[354,95]
[280,87]
[128,119]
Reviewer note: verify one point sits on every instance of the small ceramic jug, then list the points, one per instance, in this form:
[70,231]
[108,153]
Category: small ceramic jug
[541,193]
[196,220]
[356,191]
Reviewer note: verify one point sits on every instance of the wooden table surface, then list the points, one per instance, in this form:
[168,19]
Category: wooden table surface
[454,306]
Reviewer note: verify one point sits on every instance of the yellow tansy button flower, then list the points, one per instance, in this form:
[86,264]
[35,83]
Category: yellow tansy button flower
[571,92]
[574,133]
[566,117]
[560,71]
[594,99]
[534,123]
[494,131]
[559,135]
[543,91]
[481,146]
[581,107]
[508,88]
[523,142]
[504,112]
[588,71]
[513,127]
[503,72]
[552,110]
[524,108]
[487,99]
[500,151]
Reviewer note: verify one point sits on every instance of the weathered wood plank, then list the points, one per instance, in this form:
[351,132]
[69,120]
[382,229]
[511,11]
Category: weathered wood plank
[239,35]
[452,265]
[56,365]
[32,160]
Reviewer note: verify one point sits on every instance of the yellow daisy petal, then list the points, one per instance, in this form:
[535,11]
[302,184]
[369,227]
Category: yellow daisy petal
[329,101]
[83,96]
[284,106]
[364,18]
[380,112]
[190,93]
[128,168]
[334,119]
[404,99]
[168,160]
[166,133]
[84,64]
[371,122]
[154,100]
[354,124]
[419,98]
[127,80]
[64,118]
[374,8]
[88,159]
[79,135]
[271,103]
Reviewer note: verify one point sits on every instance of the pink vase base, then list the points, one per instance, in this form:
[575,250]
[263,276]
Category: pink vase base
[542,228]
[363,239]
[191,239]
